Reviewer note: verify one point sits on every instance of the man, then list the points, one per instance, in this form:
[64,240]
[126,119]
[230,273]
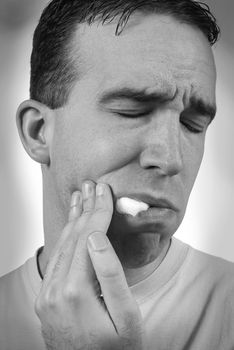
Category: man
[122,94]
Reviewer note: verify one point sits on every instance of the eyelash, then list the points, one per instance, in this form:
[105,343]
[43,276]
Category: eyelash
[137,115]
[192,129]
[142,114]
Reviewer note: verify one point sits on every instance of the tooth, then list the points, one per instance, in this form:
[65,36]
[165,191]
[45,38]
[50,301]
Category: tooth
[130,206]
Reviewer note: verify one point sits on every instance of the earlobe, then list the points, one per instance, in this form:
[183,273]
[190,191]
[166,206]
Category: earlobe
[33,122]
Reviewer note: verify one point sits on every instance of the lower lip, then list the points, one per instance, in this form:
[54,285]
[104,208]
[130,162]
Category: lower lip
[152,216]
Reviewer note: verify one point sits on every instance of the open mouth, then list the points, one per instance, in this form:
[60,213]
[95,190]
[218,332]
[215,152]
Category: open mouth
[137,203]
[144,213]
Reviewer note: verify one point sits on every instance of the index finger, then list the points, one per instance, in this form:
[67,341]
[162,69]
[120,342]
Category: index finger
[81,275]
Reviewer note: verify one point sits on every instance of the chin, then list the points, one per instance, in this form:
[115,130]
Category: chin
[135,251]
[163,224]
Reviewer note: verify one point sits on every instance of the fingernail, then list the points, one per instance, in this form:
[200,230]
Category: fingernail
[88,189]
[75,199]
[98,241]
[100,189]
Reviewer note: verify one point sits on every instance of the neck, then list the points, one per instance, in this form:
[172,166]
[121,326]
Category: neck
[140,255]
[137,267]
[136,275]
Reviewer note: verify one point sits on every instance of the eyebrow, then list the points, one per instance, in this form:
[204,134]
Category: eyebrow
[203,108]
[196,104]
[133,94]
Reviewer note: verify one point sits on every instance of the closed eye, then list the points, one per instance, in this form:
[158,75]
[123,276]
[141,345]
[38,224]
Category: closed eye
[194,122]
[196,126]
[132,114]
[193,129]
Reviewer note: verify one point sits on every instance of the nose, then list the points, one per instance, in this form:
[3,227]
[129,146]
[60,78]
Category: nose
[162,145]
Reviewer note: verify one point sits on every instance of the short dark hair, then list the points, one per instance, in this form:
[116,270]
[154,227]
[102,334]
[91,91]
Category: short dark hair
[53,72]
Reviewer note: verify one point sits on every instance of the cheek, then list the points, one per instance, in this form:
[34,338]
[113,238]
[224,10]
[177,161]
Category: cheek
[90,155]
[193,159]
[107,154]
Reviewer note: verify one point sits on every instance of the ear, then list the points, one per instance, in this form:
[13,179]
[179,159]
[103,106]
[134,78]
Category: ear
[35,123]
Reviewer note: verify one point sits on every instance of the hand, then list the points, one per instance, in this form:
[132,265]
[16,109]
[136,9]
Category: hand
[83,266]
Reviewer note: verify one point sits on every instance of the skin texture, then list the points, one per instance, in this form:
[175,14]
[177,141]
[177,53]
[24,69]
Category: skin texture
[154,154]
[72,314]
[158,153]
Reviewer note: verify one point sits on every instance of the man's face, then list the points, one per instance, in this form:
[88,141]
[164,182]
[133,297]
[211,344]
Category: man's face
[137,118]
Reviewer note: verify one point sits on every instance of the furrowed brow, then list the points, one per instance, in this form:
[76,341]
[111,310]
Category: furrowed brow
[203,108]
[196,104]
[133,94]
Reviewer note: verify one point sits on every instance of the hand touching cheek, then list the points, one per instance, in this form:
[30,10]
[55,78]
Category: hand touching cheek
[85,302]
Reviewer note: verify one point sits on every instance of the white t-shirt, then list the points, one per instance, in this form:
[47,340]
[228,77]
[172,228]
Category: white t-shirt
[186,304]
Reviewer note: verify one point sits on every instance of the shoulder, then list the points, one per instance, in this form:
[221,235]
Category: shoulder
[19,325]
[10,277]
[203,260]
[11,282]
[220,267]
[18,290]
[24,279]
[212,271]
[11,296]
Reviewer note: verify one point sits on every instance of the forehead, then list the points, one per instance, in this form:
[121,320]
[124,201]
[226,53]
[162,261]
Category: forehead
[153,52]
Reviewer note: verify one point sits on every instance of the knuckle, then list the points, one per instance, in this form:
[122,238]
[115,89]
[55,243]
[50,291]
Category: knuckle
[50,298]
[112,270]
[87,211]
[44,303]
[38,306]
[71,294]
[50,303]
[102,210]
[88,205]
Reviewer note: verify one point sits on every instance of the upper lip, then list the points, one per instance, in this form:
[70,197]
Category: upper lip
[158,202]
